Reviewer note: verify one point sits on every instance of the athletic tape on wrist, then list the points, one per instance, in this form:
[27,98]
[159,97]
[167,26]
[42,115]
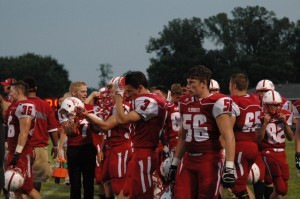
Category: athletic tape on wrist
[19,148]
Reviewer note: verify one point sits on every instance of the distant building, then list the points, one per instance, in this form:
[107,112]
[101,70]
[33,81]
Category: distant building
[289,90]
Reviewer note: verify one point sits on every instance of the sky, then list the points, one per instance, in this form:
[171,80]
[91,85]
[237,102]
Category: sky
[81,35]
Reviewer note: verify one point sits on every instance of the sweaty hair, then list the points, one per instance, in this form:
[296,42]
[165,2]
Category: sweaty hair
[201,73]
[74,86]
[240,80]
[21,86]
[176,89]
[135,79]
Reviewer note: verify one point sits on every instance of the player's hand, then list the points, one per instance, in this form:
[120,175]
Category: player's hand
[267,118]
[228,179]
[54,152]
[119,85]
[166,152]
[172,173]
[15,159]
[297,160]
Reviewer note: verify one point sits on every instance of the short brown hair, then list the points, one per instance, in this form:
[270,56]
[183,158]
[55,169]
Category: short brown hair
[240,80]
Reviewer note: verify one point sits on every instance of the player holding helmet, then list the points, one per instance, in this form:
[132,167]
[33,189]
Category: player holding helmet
[81,154]
[275,128]
[21,121]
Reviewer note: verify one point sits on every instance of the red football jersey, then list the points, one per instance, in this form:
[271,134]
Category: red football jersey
[275,137]
[119,134]
[85,130]
[297,109]
[247,111]
[152,109]
[172,124]
[45,122]
[199,121]
[20,109]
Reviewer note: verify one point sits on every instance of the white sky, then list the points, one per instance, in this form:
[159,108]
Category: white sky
[83,34]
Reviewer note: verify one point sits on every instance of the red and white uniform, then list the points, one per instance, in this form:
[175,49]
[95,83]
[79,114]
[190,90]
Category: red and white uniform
[297,109]
[202,158]
[247,112]
[274,155]
[145,138]
[45,122]
[172,125]
[85,129]
[21,109]
[118,154]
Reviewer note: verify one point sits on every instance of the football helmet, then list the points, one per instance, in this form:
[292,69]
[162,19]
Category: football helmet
[214,85]
[104,98]
[165,166]
[265,85]
[14,179]
[272,97]
[71,106]
[254,174]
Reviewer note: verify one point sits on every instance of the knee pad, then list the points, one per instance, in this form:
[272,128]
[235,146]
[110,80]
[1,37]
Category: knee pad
[242,195]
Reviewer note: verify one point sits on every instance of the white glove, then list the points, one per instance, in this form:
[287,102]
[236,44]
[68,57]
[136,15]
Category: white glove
[119,85]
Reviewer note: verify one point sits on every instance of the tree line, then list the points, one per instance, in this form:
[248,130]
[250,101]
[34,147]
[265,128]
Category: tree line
[251,40]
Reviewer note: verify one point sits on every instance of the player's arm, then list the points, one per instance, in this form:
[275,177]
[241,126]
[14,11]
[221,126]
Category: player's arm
[179,153]
[225,125]
[90,98]
[262,131]
[289,134]
[54,139]
[106,125]
[123,118]
[25,124]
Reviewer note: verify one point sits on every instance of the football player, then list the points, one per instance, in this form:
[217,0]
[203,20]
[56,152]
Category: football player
[147,115]
[204,117]
[21,121]
[275,128]
[246,108]
[118,152]
[81,153]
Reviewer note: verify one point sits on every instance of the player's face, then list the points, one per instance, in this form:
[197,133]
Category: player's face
[81,93]
[13,94]
[195,87]
[273,108]
[131,91]
[175,98]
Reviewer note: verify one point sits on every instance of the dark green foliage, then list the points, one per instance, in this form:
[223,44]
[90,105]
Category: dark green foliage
[52,79]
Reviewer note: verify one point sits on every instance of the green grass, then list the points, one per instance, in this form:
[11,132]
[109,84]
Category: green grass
[51,190]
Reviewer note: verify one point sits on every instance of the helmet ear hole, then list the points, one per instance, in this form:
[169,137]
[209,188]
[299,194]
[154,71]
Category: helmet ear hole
[71,105]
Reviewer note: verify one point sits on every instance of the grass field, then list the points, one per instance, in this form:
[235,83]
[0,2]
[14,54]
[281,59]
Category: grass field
[50,190]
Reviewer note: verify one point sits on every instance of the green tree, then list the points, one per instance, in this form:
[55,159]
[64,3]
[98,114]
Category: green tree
[178,47]
[105,74]
[255,42]
[52,79]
